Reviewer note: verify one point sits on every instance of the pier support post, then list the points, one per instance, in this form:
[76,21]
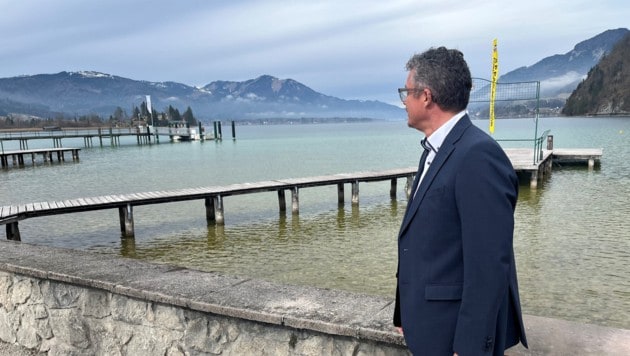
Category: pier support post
[340,193]
[218,210]
[282,202]
[126,220]
[533,180]
[13,233]
[295,200]
[408,185]
[209,203]
[233,130]
[392,190]
[355,192]
[591,163]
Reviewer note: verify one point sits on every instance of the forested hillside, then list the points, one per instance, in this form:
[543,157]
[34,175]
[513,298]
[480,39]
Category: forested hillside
[606,89]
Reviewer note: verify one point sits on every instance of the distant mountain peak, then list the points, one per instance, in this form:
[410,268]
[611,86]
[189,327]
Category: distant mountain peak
[91,74]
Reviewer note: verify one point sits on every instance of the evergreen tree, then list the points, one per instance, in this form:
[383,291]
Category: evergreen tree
[174,114]
[189,117]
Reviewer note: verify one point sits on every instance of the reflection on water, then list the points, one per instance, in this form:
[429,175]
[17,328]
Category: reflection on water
[571,234]
[350,248]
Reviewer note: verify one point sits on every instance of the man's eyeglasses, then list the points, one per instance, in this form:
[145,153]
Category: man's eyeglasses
[404,92]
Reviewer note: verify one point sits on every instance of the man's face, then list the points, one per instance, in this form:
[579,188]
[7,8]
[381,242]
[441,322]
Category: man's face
[415,104]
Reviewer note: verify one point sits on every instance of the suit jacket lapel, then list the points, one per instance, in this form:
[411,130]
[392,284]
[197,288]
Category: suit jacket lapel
[440,158]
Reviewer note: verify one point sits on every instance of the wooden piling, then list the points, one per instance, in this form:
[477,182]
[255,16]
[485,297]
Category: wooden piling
[125,214]
[13,233]
[295,200]
[210,212]
[282,202]
[218,210]
[340,193]
[355,192]
[392,190]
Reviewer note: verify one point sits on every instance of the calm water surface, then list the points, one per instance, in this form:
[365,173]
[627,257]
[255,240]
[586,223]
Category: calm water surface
[572,234]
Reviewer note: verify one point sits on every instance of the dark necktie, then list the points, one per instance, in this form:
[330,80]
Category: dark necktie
[423,158]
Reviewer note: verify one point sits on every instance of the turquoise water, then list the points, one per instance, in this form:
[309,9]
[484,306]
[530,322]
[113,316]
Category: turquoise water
[571,241]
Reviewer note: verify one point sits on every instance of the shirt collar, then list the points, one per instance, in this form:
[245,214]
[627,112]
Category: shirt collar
[437,137]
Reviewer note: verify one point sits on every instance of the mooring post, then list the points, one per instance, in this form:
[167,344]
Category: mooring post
[218,210]
[282,202]
[13,232]
[295,200]
[220,133]
[209,203]
[392,190]
[355,192]
[233,130]
[126,220]
[340,193]
[215,131]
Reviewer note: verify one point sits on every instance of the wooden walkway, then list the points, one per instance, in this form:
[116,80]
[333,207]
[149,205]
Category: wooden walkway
[522,160]
[18,157]
[212,196]
[143,135]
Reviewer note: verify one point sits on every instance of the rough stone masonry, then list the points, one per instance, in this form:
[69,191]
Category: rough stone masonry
[66,302]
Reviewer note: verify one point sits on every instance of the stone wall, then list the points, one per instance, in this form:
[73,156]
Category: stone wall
[65,319]
[66,302]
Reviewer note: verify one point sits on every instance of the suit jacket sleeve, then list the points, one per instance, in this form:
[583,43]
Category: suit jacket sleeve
[486,192]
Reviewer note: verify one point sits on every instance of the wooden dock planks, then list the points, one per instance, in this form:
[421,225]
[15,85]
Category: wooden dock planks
[522,160]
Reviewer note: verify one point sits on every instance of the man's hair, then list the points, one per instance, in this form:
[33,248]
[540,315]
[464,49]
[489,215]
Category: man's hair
[445,72]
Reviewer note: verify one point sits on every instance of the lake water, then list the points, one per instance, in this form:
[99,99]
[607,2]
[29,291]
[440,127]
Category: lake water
[572,234]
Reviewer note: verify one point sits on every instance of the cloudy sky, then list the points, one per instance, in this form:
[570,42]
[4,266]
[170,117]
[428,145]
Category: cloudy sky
[354,49]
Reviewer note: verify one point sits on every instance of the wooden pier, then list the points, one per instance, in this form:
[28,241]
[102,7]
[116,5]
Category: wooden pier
[18,158]
[523,164]
[143,135]
[213,196]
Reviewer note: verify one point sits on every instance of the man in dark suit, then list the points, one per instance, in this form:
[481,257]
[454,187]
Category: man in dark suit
[457,292]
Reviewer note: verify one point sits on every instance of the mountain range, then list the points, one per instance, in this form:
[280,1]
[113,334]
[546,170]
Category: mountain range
[80,93]
[91,92]
[560,74]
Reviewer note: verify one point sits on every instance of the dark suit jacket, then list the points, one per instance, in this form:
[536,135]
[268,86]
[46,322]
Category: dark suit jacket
[457,287]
